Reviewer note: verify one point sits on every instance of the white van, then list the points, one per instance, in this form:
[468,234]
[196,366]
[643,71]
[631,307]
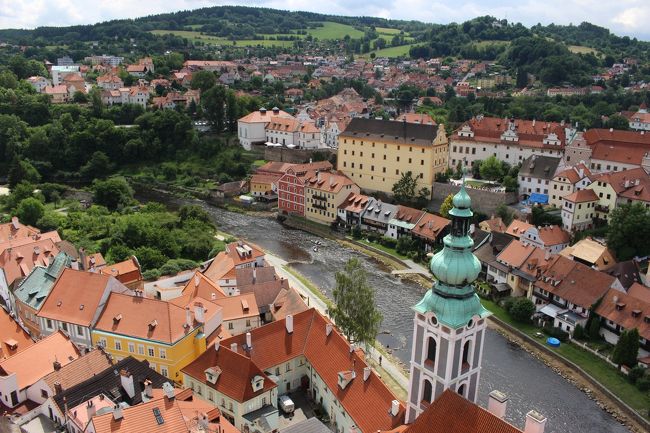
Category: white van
[286,404]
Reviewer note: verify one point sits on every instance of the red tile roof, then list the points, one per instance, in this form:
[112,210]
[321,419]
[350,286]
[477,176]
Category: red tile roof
[451,413]
[632,184]
[582,196]
[13,338]
[627,311]
[368,403]
[530,133]
[140,418]
[16,230]
[517,228]
[237,372]
[553,235]
[574,282]
[328,182]
[430,226]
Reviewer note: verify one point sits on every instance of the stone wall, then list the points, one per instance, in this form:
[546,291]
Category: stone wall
[482,200]
[295,156]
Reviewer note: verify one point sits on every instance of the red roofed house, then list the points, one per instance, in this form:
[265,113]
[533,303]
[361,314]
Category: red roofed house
[617,188]
[237,255]
[510,140]
[291,184]
[567,181]
[622,311]
[551,239]
[579,210]
[301,351]
[350,211]
[640,120]
[431,229]
[127,272]
[324,193]
[566,290]
[615,150]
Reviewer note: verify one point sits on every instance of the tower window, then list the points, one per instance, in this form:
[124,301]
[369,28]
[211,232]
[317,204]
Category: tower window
[431,351]
[427,395]
[465,365]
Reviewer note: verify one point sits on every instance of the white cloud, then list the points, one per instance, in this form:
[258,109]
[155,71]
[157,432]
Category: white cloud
[623,17]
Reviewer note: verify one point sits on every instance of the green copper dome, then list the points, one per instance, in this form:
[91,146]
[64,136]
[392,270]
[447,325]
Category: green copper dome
[452,298]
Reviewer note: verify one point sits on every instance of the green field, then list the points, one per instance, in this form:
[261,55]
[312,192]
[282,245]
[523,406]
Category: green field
[216,40]
[401,51]
[488,43]
[332,30]
[387,31]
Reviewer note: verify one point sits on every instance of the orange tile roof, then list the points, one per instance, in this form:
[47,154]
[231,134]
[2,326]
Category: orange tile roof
[574,282]
[283,124]
[517,228]
[599,135]
[422,118]
[259,117]
[582,196]
[76,295]
[13,338]
[328,182]
[199,286]
[144,318]
[516,253]
[238,307]
[141,418]
[451,413]
[79,370]
[553,235]
[639,291]
[572,174]
[632,184]
[237,372]
[192,406]
[354,203]
[125,272]
[18,261]
[408,214]
[37,361]
[494,224]
[367,403]
[430,226]
[16,230]
[627,311]
[531,133]
[227,260]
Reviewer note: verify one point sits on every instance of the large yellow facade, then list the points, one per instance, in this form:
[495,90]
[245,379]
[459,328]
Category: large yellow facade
[376,164]
[166,359]
[606,198]
[321,204]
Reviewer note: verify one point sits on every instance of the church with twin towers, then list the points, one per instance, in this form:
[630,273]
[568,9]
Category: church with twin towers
[450,322]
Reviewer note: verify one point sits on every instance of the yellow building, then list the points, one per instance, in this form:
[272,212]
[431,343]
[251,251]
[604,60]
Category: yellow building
[168,336]
[324,192]
[375,153]
[264,185]
[579,210]
[616,188]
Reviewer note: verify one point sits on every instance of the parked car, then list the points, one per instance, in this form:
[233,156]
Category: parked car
[286,404]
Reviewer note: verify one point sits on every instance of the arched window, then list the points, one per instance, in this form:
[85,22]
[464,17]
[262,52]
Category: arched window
[461,390]
[431,351]
[427,395]
[465,365]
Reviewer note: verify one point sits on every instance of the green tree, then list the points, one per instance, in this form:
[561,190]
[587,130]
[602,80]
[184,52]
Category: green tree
[112,193]
[506,215]
[22,171]
[79,97]
[616,121]
[30,210]
[203,80]
[491,169]
[98,166]
[626,351]
[446,206]
[628,231]
[404,189]
[522,78]
[214,106]
[354,311]
[593,328]
[522,309]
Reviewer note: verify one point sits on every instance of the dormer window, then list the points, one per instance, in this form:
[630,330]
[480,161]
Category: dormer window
[258,383]
[345,377]
[212,374]
[636,313]
[620,306]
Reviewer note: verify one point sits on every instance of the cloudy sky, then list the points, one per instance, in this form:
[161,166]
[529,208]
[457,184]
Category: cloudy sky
[625,17]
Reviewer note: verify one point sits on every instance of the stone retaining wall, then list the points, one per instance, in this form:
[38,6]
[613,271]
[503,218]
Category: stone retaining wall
[295,156]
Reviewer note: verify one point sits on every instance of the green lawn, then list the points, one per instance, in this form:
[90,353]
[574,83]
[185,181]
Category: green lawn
[332,30]
[603,372]
[487,43]
[579,49]
[383,248]
[387,31]
[401,51]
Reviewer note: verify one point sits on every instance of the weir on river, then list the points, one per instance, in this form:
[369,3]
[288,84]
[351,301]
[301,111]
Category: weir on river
[527,382]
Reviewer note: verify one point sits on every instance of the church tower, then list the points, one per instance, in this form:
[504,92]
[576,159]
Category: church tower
[449,321]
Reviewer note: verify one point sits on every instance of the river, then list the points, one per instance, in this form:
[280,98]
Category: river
[528,383]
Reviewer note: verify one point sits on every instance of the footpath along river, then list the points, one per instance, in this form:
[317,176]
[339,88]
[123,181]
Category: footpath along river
[528,383]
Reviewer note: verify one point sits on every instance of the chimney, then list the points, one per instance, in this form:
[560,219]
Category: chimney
[199,312]
[497,403]
[366,373]
[535,422]
[249,340]
[276,110]
[288,321]
[126,379]
[57,388]
[611,130]
[233,347]
[394,408]
[56,365]
[117,412]
[148,388]
[328,329]
[533,122]
[15,223]
[263,111]
[188,317]
[82,258]
[254,275]
[90,409]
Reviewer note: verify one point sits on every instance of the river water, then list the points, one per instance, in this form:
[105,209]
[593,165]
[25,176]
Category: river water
[528,383]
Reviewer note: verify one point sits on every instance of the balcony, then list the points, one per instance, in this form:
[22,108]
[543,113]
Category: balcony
[318,197]
[601,208]
[319,206]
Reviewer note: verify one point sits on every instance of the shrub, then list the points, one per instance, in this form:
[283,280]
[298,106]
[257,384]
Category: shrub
[636,373]
[522,309]
[151,274]
[579,332]
[643,383]
[356,232]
